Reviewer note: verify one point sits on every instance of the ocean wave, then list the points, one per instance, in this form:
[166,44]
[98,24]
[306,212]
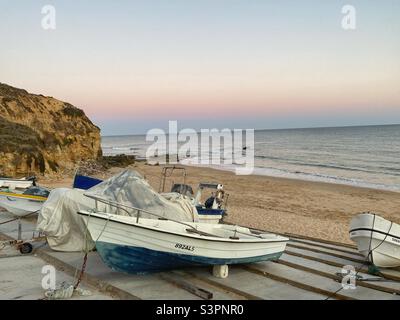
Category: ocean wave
[386,170]
[363,156]
[317,177]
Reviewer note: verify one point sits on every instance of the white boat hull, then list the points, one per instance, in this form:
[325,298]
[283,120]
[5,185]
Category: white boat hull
[15,184]
[377,239]
[20,205]
[208,218]
[155,245]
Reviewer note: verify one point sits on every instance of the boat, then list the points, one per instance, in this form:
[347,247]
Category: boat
[378,239]
[213,209]
[84,182]
[23,204]
[140,245]
[13,184]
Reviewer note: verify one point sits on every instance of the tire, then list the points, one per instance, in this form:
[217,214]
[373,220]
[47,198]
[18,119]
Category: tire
[25,248]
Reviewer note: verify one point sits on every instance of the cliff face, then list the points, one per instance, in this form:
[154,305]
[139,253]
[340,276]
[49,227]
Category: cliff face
[43,135]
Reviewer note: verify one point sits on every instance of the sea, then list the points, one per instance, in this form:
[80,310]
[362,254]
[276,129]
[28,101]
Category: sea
[363,156]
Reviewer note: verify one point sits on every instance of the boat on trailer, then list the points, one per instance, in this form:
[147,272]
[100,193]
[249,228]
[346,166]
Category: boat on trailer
[23,204]
[378,239]
[141,245]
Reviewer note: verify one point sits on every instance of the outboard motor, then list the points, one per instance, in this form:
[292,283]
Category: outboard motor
[33,179]
[209,203]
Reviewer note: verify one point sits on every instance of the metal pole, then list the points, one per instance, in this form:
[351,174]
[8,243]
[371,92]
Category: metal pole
[19,229]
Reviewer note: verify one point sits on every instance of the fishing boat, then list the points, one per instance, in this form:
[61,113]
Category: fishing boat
[141,245]
[12,184]
[377,239]
[211,209]
[84,182]
[23,204]
[214,208]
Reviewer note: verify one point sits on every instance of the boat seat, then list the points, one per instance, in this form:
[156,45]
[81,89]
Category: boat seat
[202,233]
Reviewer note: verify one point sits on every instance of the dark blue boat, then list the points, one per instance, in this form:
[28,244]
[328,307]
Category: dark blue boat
[85,182]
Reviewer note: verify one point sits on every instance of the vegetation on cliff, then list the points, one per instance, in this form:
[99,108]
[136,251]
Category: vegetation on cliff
[41,134]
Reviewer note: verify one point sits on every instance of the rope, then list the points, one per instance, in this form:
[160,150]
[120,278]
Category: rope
[83,268]
[8,221]
[82,272]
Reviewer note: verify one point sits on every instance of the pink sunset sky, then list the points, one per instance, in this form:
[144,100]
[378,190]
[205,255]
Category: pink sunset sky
[133,65]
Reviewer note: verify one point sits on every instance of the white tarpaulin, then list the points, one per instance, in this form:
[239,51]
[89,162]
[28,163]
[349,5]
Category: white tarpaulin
[65,229]
[129,188]
[59,221]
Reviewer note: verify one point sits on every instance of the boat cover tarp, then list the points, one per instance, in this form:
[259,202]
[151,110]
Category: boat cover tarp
[59,221]
[131,189]
[65,229]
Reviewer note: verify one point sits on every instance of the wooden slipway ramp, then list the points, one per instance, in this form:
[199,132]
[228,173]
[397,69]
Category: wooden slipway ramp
[310,269]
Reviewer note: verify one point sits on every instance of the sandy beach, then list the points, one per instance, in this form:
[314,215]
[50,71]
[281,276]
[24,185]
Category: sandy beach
[313,209]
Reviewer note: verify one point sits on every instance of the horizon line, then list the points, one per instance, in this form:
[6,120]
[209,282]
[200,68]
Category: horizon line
[278,129]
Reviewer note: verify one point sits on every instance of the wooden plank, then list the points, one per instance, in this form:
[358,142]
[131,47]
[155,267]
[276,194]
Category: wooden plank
[218,292]
[317,282]
[337,262]
[327,294]
[181,283]
[215,283]
[327,246]
[255,287]
[328,259]
[297,236]
[328,252]
[331,273]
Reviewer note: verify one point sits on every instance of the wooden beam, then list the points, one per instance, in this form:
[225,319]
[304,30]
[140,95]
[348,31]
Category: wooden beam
[385,274]
[297,284]
[219,285]
[326,252]
[337,278]
[185,285]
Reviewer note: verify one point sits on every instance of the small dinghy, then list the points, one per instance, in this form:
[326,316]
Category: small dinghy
[13,184]
[141,245]
[377,239]
[84,182]
[20,205]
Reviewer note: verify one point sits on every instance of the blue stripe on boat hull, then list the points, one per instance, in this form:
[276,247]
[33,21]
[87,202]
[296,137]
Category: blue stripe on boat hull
[141,260]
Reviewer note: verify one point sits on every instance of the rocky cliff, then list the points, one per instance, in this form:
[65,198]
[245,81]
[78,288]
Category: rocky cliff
[41,134]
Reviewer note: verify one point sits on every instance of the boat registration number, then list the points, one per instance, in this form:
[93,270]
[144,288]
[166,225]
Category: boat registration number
[184,247]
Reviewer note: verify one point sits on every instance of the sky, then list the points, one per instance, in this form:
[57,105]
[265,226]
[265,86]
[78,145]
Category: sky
[134,65]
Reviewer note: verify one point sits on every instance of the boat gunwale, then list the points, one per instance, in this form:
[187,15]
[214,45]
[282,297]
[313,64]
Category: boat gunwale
[191,236]
[23,196]
[374,230]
